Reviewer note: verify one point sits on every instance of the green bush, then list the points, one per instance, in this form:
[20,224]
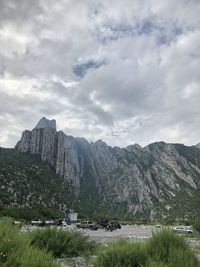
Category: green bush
[62,243]
[156,264]
[171,249]
[122,254]
[16,249]
[197,225]
[29,256]
[163,249]
[182,258]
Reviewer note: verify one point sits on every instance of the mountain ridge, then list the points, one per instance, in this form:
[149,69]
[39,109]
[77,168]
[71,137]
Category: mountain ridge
[131,181]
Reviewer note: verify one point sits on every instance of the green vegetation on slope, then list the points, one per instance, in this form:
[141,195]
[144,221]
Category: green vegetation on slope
[29,188]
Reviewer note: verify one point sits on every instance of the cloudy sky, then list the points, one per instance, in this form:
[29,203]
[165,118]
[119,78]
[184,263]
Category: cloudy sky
[125,71]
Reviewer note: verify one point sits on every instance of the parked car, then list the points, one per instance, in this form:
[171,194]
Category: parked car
[64,223]
[183,229]
[49,222]
[113,226]
[60,223]
[102,224]
[158,226]
[38,223]
[87,225]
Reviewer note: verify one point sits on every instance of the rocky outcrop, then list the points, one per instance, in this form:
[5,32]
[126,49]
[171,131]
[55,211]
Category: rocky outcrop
[198,145]
[44,123]
[132,180]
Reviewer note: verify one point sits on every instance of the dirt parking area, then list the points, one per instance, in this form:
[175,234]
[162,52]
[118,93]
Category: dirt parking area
[132,233]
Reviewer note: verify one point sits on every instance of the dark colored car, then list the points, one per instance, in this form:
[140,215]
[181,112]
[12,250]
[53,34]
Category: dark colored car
[113,226]
[87,225]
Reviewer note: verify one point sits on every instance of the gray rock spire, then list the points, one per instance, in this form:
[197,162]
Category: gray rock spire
[45,123]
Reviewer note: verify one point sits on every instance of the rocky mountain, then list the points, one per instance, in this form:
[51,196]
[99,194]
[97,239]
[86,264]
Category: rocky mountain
[159,180]
[29,188]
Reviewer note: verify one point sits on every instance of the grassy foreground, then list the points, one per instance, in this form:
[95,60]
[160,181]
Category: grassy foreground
[16,249]
[41,247]
[164,249]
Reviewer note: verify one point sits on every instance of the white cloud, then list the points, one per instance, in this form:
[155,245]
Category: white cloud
[145,86]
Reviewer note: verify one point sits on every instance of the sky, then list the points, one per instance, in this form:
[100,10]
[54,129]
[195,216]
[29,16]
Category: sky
[124,71]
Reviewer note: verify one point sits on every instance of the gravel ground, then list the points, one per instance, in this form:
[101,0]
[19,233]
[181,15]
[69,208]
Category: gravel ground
[133,233]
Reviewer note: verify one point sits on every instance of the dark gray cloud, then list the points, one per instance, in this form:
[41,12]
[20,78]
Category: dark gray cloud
[124,71]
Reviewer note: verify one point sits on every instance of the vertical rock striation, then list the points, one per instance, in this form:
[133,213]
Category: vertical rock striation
[132,180]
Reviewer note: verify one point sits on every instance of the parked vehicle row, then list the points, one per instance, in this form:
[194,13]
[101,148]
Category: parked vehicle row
[49,223]
[107,225]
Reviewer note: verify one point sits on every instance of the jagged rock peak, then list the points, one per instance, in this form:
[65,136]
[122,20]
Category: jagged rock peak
[198,145]
[134,147]
[100,142]
[45,123]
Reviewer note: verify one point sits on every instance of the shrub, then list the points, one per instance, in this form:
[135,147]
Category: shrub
[122,254]
[63,243]
[156,264]
[182,258]
[169,248]
[197,225]
[163,249]
[29,256]
[16,249]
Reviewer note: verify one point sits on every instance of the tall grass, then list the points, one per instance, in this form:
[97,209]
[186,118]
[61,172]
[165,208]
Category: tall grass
[171,249]
[163,249]
[156,264]
[197,225]
[16,249]
[122,254]
[63,243]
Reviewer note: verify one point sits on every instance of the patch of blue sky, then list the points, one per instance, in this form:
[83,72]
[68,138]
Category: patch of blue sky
[163,33]
[82,68]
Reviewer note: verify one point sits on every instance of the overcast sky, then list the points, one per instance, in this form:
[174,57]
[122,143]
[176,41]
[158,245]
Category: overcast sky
[124,71]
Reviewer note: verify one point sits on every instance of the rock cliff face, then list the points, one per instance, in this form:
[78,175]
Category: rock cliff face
[150,181]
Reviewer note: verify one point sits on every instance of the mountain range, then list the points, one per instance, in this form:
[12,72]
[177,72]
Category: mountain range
[160,180]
